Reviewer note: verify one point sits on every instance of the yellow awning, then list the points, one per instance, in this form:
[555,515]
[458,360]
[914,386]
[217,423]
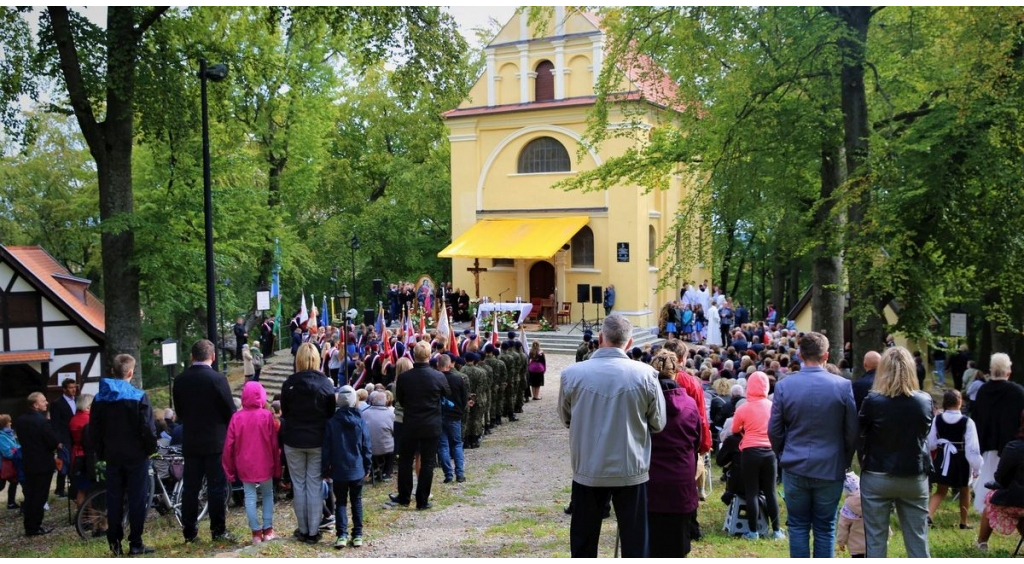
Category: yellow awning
[515,238]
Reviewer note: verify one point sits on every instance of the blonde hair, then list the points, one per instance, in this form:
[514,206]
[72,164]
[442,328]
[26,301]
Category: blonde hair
[402,365]
[421,352]
[307,358]
[666,364]
[721,386]
[84,402]
[897,374]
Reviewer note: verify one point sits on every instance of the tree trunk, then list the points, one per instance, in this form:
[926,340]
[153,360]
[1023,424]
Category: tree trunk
[730,238]
[869,324]
[794,289]
[826,286]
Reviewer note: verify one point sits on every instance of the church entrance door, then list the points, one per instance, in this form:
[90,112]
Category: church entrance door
[542,280]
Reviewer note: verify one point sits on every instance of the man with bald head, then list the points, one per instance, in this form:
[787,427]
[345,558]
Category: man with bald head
[862,386]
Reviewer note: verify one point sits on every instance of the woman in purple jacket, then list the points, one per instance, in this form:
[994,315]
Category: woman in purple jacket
[672,489]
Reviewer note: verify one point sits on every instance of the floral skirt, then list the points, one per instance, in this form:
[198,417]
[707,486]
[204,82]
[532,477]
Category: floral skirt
[1003,518]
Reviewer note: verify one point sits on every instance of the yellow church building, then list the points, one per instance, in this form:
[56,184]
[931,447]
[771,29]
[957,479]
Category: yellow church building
[516,135]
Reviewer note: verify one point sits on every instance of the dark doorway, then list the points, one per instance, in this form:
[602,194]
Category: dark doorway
[542,280]
[17,381]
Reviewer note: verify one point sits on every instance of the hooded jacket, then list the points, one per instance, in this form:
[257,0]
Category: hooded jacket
[251,452]
[347,452]
[752,416]
[121,423]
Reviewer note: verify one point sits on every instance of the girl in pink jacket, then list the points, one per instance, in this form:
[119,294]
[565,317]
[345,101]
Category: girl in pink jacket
[251,455]
[756,456]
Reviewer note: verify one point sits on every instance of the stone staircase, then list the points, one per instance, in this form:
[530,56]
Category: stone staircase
[276,370]
[565,343]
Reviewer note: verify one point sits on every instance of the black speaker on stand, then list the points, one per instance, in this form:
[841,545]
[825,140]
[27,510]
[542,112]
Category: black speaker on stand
[597,297]
[582,296]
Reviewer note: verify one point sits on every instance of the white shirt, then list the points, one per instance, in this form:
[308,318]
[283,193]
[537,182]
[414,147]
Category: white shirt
[971,446]
[72,403]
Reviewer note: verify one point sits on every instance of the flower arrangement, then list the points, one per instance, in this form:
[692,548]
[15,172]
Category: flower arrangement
[420,313]
[507,321]
[545,325]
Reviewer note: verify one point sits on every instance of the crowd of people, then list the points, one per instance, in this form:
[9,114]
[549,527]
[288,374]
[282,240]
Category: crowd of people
[349,413]
[782,413]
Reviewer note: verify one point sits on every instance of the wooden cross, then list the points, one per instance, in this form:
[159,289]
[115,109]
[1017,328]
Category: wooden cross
[476,270]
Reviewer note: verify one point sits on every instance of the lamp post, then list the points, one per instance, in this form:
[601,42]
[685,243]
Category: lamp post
[355,247]
[215,73]
[344,297]
[220,298]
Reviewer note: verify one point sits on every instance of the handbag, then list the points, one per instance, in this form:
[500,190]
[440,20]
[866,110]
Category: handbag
[536,367]
[8,472]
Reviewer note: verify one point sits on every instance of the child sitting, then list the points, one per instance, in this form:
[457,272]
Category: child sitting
[251,455]
[347,458]
[851,523]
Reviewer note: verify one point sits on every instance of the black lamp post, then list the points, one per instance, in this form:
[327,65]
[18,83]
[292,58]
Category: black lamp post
[355,247]
[223,347]
[215,73]
[344,297]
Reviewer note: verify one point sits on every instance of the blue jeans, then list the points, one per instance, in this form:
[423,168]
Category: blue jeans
[812,504]
[131,480]
[940,371]
[267,493]
[450,446]
[353,492]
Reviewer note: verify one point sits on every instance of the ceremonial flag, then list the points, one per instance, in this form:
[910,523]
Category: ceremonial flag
[526,346]
[303,313]
[423,324]
[275,284]
[494,333]
[323,313]
[443,329]
[453,341]
[386,350]
[379,325]
[410,335]
[312,315]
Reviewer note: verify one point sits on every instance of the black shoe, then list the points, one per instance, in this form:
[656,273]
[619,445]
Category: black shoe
[487,430]
[512,418]
[460,479]
[312,539]
[140,550]
[115,549]
[568,509]
[38,532]
[60,494]
[13,505]
[397,500]
[497,422]
[448,480]
[424,507]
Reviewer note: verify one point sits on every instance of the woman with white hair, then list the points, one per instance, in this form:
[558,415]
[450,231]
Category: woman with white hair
[996,412]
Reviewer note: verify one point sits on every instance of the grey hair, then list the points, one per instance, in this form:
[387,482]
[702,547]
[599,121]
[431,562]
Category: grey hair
[84,402]
[999,365]
[378,399]
[444,361]
[616,330]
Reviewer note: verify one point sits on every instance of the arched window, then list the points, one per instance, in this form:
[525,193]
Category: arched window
[583,248]
[652,245]
[544,84]
[544,154]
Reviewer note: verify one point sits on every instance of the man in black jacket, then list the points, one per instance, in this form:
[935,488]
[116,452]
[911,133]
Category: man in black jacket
[419,393]
[241,336]
[205,407]
[123,433]
[61,412]
[452,407]
[38,441]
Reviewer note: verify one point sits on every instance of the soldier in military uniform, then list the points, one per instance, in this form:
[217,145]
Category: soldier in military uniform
[511,369]
[521,398]
[479,394]
[584,348]
[499,383]
[458,366]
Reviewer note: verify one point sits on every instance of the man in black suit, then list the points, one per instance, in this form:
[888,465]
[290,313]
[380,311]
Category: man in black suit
[241,336]
[38,441]
[203,400]
[419,393]
[863,385]
[61,412]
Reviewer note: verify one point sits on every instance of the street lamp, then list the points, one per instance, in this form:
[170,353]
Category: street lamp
[223,348]
[215,73]
[344,297]
[355,247]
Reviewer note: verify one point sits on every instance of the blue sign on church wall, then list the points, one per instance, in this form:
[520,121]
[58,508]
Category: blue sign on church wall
[623,252]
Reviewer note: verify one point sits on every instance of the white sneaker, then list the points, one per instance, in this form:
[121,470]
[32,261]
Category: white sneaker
[982,546]
[46,506]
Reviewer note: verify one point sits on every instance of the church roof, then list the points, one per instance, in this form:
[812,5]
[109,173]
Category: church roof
[67,292]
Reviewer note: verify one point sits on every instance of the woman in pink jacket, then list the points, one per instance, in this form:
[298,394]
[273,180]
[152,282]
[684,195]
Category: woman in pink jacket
[251,455]
[757,458]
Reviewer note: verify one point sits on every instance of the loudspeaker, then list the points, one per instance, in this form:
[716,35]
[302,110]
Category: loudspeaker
[596,294]
[368,318]
[582,293]
[377,286]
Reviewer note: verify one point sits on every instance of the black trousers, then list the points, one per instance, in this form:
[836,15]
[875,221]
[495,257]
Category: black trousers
[196,468]
[759,478]
[36,489]
[588,503]
[131,482]
[427,447]
[670,534]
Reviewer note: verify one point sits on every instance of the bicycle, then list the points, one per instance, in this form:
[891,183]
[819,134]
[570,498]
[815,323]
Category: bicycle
[91,519]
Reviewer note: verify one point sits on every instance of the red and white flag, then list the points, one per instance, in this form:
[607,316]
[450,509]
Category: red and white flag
[303,313]
[494,333]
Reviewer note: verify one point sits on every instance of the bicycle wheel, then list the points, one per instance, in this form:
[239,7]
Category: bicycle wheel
[91,519]
[178,494]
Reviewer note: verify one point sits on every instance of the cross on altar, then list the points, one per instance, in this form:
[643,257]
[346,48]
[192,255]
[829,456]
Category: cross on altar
[476,270]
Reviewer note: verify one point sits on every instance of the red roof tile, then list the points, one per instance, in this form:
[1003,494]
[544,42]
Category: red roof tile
[47,270]
[22,357]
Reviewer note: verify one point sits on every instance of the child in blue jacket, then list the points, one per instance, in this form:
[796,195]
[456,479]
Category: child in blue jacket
[346,461]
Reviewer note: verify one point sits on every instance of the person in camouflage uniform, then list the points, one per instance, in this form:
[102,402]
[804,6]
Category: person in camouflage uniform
[490,377]
[521,362]
[511,362]
[499,383]
[479,394]
[458,364]
[584,348]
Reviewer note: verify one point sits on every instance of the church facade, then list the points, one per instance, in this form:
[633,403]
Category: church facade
[520,132]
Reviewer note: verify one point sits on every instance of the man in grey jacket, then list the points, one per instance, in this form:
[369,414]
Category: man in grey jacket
[611,405]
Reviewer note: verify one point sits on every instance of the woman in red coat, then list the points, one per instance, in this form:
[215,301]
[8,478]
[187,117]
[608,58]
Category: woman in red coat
[79,473]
